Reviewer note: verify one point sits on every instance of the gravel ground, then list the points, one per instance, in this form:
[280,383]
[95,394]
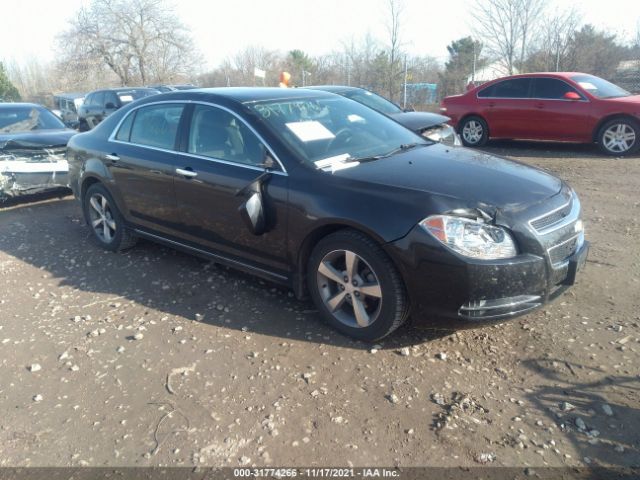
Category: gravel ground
[154,357]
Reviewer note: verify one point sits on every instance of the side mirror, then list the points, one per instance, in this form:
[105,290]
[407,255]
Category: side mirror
[572,96]
[110,106]
[252,213]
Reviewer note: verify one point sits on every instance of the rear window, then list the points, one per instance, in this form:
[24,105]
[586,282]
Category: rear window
[514,88]
[128,96]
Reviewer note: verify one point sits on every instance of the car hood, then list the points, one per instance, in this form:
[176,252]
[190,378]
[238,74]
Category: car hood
[474,177]
[36,139]
[418,121]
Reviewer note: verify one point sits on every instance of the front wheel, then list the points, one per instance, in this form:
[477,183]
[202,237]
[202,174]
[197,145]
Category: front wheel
[474,132]
[356,286]
[105,220]
[620,136]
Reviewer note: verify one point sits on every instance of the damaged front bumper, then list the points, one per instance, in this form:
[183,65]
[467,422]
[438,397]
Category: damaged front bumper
[32,171]
[451,290]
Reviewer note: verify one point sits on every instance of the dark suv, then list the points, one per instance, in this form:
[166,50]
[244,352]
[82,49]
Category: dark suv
[100,104]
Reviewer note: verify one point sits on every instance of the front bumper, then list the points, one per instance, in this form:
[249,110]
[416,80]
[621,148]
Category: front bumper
[445,286]
[21,176]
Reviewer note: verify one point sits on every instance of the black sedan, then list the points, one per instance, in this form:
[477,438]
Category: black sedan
[330,197]
[431,125]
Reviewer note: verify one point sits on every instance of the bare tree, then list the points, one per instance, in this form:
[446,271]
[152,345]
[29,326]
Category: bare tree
[506,27]
[395,11]
[139,40]
[554,41]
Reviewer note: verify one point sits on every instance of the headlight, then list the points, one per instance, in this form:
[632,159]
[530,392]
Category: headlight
[444,134]
[471,238]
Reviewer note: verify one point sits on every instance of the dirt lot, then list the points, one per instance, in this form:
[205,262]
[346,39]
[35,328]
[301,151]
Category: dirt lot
[154,357]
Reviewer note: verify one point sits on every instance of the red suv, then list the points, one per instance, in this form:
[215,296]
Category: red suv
[568,107]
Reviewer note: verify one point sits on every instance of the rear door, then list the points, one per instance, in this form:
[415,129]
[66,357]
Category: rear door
[558,118]
[506,106]
[142,163]
[222,155]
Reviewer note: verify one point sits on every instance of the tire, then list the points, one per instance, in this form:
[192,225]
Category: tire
[474,132]
[367,303]
[109,227]
[83,126]
[619,136]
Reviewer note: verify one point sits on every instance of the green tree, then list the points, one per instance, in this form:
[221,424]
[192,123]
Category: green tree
[593,51]
[8,92]
[301,66]
[465,54]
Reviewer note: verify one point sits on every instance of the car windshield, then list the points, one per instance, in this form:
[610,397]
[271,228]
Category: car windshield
[327,131]
[14,119]
[373,101]
[128,96]
[599,87]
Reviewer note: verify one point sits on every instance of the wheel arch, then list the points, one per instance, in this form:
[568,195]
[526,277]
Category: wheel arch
[596,131]
[86,183]
[467,115]
[311,240]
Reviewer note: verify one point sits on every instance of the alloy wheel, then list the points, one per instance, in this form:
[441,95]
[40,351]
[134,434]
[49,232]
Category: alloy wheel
[472,131]
[619,138]
[101,218]
[349,288]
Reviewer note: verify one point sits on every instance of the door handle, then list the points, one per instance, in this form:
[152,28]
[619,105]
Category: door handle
[112,157]
[186,172]
[492,104]
[539,105]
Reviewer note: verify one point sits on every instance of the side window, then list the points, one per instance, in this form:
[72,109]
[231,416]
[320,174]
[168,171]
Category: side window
[486,92]
[551,88]
[124,133]
[111,97]
[218,134]
[156,125]
[98,99]
[89,100]
[514,88]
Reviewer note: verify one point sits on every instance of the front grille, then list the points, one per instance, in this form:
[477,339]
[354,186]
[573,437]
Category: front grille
[549,220]
[561,252]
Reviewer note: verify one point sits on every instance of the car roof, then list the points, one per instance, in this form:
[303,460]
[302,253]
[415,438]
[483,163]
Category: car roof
[334,88]
[121,89]
[542,74]
[246,94]
[69,96]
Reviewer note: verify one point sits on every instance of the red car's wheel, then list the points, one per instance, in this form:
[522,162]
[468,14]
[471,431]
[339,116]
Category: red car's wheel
[620,136]
[474,132]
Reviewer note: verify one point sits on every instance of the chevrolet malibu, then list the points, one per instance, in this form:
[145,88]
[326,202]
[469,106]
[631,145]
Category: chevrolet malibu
[331,198]
[558,106]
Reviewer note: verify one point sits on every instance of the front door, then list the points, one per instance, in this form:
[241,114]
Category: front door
[222,156]
[558,118]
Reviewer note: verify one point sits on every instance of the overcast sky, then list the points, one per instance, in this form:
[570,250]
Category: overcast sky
[220,28]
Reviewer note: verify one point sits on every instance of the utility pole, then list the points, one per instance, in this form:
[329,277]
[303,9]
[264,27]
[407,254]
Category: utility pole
[404,102]
[473,73]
